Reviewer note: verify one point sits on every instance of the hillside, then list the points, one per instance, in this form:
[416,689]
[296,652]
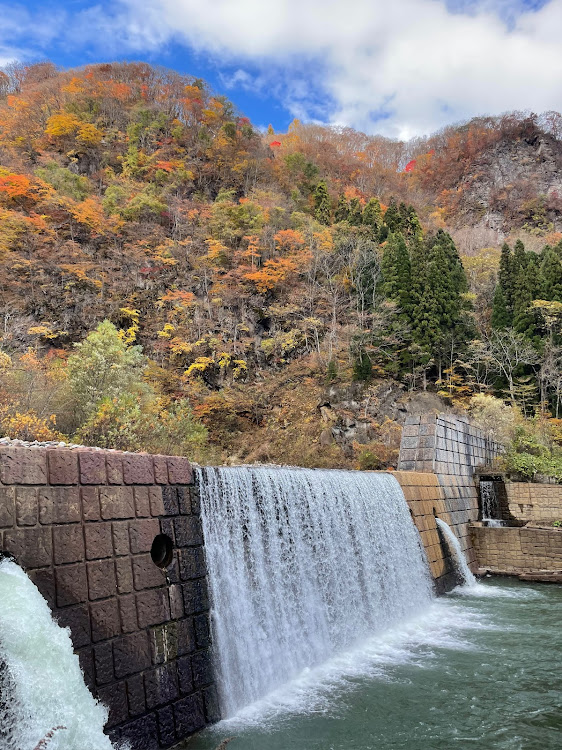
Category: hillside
[294,294]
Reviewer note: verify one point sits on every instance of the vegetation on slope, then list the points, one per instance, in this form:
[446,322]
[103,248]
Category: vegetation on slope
[174,280]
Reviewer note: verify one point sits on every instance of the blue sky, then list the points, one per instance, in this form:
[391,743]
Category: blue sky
[402,68]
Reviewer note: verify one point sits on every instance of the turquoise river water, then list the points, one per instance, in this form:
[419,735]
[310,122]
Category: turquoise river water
[481,669]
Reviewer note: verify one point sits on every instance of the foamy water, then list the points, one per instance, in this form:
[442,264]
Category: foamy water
[42,684]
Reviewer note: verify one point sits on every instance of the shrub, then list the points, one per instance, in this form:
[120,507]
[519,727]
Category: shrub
[136,422]
[103,368]
[494,417]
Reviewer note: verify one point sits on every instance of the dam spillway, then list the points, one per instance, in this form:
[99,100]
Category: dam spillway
[303,565]
[82,523]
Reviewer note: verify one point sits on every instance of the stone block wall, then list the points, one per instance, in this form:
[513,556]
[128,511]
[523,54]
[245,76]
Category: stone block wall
[82,523]
[444,444]
[452,449]
[528,501]
[426,498]
[517,550]
[461,500]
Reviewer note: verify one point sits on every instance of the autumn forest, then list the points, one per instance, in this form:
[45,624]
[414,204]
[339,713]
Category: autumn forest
[175,280]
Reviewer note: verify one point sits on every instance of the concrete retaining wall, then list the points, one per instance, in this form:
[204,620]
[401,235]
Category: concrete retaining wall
[451,448]
[528,501]
[427,498]
[444,444]
[517,550]
[82,523]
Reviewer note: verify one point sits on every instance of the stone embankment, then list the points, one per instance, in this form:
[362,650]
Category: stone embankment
[529,544]
[114,543]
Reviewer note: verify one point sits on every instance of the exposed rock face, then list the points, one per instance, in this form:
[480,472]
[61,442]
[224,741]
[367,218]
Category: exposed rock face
[515,183]
[355,413]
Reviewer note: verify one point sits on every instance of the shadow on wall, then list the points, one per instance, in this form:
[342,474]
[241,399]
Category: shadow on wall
[425,499]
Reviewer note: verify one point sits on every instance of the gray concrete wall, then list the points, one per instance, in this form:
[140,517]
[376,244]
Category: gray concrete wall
[451,448]
[445,444]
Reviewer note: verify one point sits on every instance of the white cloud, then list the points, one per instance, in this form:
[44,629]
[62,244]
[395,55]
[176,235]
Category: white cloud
[22,33]
[400,67]
[415,62]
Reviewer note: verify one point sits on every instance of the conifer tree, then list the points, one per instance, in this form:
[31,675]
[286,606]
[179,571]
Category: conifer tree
[523,318]
[501,316]
[396,271]
[551,275]
[362,367]
[355,212]
[342,210]
[526,286]
[372,217]
[505,276]
[412,228]
[438,311]
[322,204]
[383,233]
[519,258]
[534,274]
[453,262]
[392,216]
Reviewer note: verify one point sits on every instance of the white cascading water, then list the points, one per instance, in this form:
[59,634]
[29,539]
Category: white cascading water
[455,545]
[42,690]
[490,504]
[303,565]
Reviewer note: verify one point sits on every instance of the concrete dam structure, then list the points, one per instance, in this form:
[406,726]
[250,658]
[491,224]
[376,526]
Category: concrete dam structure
[189,594]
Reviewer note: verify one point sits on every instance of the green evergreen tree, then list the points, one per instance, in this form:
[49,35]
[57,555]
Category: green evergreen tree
[362,367]
[505,276]
[453,261]
[439,310]
[342,210]
[392,216]
[322,204]
[534,274]
[372,217]
[331,371]
[395,267]
[527,286]
[551,275]
[355,217]
[501,316]
[523,318]
[519,258]
[411,227]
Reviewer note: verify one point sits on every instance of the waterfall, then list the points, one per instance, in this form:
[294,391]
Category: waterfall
[490,504]
[455,545]
[42,690]
[303,565]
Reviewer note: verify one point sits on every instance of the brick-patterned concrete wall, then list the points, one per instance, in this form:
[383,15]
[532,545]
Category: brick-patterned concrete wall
[426,498]
[444,444]
[516,550]
[82,522]
[527,501]
[452,448]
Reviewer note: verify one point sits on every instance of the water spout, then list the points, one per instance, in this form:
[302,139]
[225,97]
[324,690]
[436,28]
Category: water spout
[455,546]
[490,504]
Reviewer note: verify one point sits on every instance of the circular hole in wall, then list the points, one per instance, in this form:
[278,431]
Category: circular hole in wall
[162,550]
